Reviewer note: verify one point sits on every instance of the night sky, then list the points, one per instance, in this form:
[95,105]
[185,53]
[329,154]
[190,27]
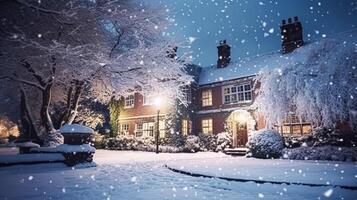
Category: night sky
[252,27]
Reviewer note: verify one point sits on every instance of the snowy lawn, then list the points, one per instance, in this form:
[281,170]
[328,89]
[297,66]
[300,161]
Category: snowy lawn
[290,171]
[141,175]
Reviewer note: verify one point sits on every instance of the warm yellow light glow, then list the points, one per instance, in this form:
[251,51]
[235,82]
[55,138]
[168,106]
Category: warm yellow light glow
[158,101]
[240,116]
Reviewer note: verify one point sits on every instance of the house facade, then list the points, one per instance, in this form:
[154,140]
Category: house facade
[220,100]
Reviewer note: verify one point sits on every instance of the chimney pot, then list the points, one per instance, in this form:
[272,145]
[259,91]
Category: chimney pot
[289,20]
[296,19]
[283,22]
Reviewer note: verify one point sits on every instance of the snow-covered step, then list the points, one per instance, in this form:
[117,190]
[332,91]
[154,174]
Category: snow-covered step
[236,151]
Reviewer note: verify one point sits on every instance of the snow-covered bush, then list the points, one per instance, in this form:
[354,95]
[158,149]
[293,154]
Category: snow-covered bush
[145,144]
[121,143]
[98,141]
[322,137]
[208,142]
[175,139]
[53,139]
[224,140]
[265,144]
[322,153]
[192,144]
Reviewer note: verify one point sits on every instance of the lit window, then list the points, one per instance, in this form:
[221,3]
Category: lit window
[129,101]
[186,127]
[148,129]
[207,126]
[237,93]
[162,128]
[293,126]
[138,130]
[124,129]
[148,99]
[207,98]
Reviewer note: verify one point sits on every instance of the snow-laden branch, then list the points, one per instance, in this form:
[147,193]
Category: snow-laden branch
[317,83]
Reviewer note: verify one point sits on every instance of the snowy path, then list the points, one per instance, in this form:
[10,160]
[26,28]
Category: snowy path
[141,175]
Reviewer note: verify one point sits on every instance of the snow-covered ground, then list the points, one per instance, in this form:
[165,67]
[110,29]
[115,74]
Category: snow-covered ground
[141,175]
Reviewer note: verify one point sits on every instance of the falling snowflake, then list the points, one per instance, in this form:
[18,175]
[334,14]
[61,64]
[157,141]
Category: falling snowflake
[328,192]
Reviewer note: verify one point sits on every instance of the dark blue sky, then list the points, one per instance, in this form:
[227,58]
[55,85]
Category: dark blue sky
[251,27]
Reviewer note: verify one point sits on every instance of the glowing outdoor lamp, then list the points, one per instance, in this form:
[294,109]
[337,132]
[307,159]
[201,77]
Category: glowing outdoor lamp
[158,103]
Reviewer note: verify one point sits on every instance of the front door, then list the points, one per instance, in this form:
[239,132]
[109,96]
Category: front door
[241,134]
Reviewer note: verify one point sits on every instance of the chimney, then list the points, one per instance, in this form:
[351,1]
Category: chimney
[291,33]
[224,54]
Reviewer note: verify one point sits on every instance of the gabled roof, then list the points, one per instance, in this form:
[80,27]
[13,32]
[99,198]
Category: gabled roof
[253,65]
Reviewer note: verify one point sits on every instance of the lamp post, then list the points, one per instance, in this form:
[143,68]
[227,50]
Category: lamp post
[158,101]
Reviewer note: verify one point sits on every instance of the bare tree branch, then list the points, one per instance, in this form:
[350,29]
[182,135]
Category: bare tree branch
[24,82]
[33,72]
[39,8]
[120,34]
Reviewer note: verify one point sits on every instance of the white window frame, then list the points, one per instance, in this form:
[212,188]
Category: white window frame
[162,128]
[207,123]
[234,92]
[129,101]
[149,129]
[207,100]
[124,129]
[148,99]
[139,130]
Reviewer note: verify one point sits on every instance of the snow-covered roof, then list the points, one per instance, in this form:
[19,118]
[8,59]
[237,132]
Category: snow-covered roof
[237,69]
[76,128]
[253,65]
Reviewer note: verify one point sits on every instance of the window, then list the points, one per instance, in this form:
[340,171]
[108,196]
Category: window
[129,101]
[186,127]
[237,93]
[124,129]
[162,128]
[148,99]
[148,129]
[207,98]
[138,130]
[293,126]
[207,126]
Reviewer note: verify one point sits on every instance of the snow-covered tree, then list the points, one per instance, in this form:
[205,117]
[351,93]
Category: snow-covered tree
[317,83]
[59,51]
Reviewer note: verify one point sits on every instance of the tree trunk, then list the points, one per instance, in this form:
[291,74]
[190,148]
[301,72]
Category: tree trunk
[67,111]
[29,129]
[46,100]
[77,95]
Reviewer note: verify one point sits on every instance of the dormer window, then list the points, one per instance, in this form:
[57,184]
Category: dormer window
[148,99]
[237,93]
[129,101]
